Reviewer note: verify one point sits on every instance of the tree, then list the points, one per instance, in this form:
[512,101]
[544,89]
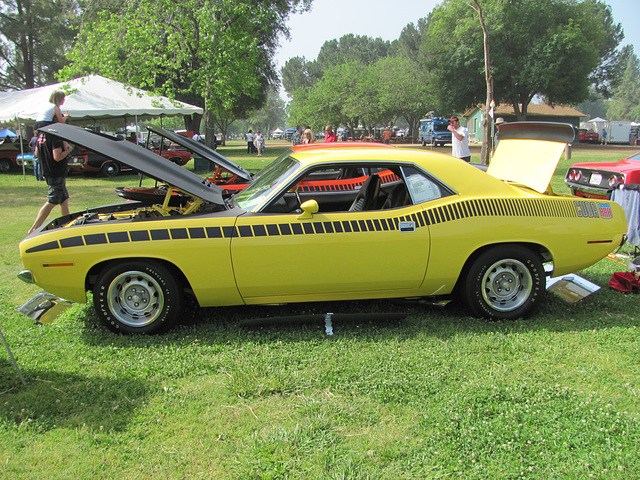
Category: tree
[487,145]
[213,53]
[553,48]
[34,37]
[299,73]
[271,115]
[625,104]
[404,89]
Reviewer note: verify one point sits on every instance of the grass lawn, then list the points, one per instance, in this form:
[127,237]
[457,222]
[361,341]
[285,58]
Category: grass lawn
[414,392]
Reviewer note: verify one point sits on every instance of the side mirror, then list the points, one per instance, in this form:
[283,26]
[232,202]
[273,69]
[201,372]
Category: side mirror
[308,209]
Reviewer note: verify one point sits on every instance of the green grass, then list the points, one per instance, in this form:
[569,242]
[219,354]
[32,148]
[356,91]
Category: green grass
[433,395]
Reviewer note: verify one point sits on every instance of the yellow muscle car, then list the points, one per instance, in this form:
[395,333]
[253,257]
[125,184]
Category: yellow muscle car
[423,224]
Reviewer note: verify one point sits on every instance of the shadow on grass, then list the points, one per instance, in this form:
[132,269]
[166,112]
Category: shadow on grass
[52,399]
[372,320]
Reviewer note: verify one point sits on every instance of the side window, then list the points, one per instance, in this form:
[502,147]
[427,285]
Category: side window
[421,187]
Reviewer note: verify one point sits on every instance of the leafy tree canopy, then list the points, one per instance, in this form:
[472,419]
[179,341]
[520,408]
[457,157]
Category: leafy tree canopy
[299,72]
[553,48]
[625,104]
[34,36]
[216,53]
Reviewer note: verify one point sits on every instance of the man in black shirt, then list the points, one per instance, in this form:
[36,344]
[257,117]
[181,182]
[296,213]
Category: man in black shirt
[52,154]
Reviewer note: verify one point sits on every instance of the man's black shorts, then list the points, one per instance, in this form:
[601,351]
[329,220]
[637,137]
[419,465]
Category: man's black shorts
[57,190]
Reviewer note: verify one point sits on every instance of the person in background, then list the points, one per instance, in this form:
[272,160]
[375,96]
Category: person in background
[386,135]
[496,135]
[296,138]
[37,170]
[52,114]
[258,142]
[604,136]
[308,136]
[52,153]
[250,146]
[459,140]
[330,135]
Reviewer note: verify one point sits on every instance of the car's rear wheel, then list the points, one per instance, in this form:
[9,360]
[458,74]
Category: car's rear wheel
[110,169]
[505,282]
[137,297]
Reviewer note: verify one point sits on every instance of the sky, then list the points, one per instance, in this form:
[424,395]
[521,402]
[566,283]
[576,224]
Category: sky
[331,19]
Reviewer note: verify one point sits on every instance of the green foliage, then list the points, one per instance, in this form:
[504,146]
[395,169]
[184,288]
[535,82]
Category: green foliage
[299,73]
[555,49]
[197,51]
[625,104]
[34,36]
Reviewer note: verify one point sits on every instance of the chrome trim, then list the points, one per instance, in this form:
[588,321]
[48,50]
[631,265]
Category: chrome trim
[26,276]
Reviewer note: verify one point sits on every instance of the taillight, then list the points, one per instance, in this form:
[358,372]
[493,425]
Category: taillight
[572,175]
[615,180]
[578,175]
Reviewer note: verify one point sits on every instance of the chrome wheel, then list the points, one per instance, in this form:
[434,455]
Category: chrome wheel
[135,299]
[507,285]
[504,282]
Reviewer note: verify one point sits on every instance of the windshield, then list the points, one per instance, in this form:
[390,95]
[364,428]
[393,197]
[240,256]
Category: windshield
[440,127]
[266,181]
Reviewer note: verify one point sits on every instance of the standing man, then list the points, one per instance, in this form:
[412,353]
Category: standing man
[330,135]
[52,154]
[604,136]
[459,140]
[296,138]
[250,146]
[386,135]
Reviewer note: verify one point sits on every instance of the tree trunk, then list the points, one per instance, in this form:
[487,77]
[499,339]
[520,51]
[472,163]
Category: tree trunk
[487,120]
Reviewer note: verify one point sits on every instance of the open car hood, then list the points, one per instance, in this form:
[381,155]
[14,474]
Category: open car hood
[202,150]
[528,152]
[140,159]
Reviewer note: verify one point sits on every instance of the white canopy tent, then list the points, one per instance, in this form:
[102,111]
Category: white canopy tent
[91,98]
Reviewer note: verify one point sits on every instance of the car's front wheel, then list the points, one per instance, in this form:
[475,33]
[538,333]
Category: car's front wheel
[137,297]
[505,282]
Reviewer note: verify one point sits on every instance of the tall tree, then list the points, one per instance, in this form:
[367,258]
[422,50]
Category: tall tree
[213,53]
[625,104]
[487,145]
[554,48]
[271,115]
[298,72]
[404,90]
[34,38]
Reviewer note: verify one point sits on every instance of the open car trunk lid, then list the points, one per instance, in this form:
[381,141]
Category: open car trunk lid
[528,152]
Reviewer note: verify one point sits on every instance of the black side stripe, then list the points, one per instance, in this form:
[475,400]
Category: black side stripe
[527,207]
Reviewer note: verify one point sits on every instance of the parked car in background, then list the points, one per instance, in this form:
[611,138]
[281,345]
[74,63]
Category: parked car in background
[441,230]
[175,154]
[588,136]
[595,179]
[9,150]
[433,131]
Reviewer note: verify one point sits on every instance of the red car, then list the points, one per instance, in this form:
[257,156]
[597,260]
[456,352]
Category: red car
[586,136]
[175,154]
[594,179]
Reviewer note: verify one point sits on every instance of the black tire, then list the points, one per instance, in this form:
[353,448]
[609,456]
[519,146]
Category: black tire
[424,143]
[176,160]
[504,283]
[5,165]
[137,297]
[110,169]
